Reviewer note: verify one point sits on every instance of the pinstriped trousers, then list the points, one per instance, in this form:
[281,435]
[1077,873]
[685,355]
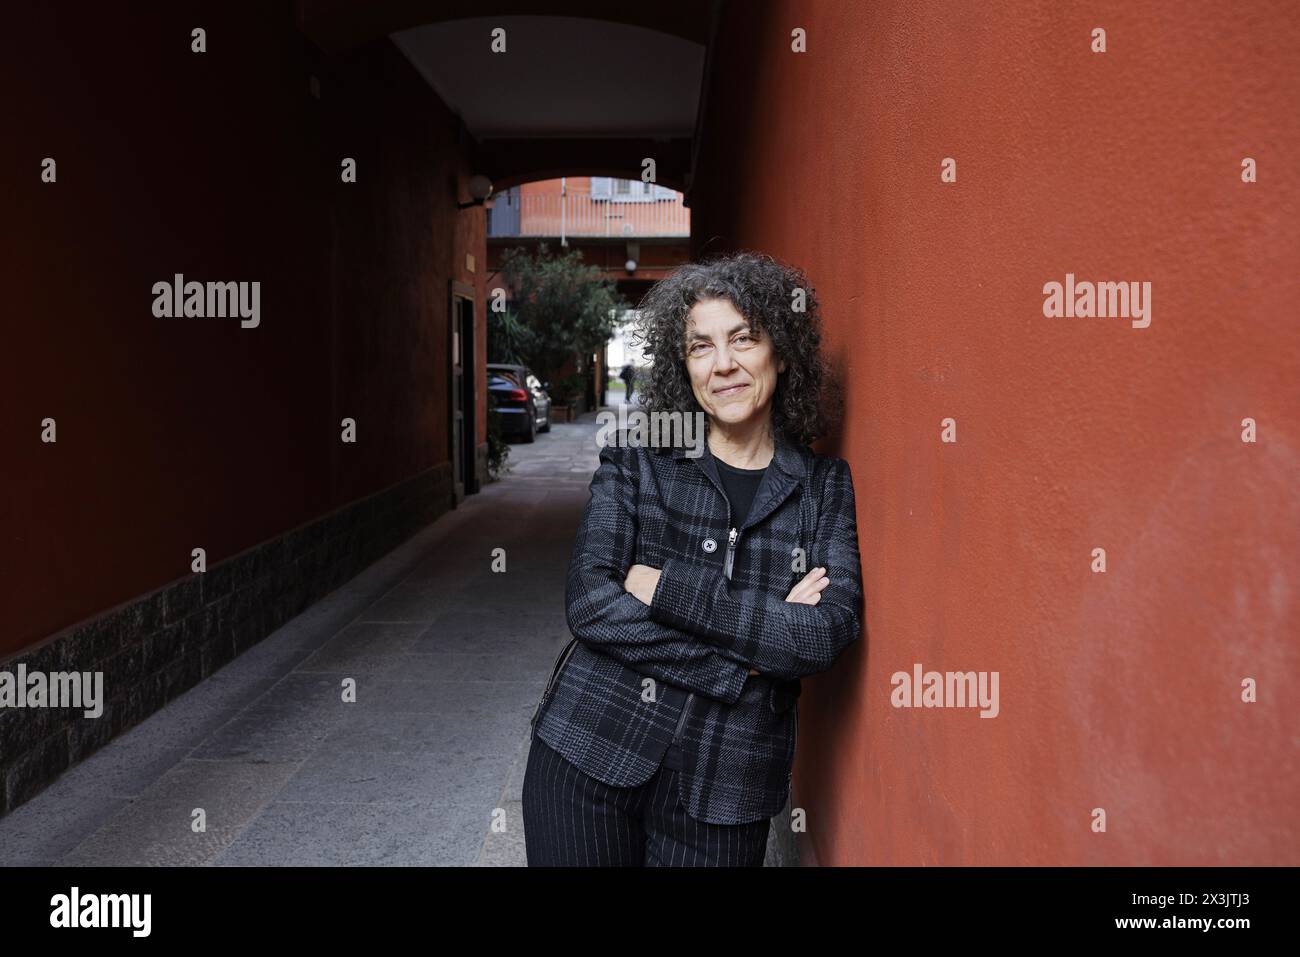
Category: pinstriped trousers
[573,820]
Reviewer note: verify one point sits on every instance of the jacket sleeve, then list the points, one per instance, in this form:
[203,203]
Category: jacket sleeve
[606,617]
[784,640]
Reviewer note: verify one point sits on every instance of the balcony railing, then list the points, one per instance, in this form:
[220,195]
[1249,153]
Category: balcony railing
[579,215]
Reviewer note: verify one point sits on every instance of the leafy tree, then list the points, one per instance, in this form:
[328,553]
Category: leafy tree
[508,339]
[558,308]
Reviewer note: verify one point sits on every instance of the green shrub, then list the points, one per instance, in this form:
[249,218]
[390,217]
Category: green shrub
[569,389]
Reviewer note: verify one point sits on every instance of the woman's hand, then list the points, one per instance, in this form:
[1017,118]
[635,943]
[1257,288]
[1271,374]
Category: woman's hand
[807,592]
[641,581]
[809,589]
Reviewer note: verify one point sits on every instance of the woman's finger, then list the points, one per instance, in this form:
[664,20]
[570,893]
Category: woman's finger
[813,577]
[799,590]
[805,592]
[809,587]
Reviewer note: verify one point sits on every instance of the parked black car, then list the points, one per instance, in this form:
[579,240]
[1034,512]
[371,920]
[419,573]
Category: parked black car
[522,400]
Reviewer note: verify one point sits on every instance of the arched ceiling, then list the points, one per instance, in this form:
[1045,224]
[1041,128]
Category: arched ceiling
[583,87]
[337,25]
[560,76]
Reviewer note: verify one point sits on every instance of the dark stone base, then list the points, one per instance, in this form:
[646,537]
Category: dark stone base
[156,647]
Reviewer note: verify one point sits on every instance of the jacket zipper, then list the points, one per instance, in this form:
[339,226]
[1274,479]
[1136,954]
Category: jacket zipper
[731,551]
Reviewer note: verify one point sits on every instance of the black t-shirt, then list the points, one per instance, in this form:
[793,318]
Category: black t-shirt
[741,485]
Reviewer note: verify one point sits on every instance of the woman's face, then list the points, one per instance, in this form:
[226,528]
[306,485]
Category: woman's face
[733,368]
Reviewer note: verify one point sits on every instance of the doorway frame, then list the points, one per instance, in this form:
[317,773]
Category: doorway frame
[462,407]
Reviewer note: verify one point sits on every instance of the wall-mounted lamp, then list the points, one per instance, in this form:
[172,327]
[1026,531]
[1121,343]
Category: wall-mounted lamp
[630,266]
[480,187]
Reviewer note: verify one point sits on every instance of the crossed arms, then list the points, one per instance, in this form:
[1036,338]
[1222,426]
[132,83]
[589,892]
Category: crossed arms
[696,632]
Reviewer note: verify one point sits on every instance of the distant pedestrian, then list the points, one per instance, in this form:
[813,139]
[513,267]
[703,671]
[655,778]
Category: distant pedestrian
[628,376]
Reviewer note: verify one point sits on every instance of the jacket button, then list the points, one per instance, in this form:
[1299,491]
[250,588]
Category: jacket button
[709,545]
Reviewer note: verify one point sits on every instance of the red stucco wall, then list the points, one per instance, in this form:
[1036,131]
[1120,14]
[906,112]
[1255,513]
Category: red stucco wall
[177,433]
[1119,690]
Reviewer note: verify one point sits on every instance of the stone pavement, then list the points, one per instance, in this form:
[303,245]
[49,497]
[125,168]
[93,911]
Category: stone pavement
[448,659]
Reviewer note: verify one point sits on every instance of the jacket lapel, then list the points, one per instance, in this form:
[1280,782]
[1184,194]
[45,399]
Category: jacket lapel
[784,474]
[778,483]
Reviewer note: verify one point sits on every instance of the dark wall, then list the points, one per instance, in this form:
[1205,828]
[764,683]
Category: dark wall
[177,433]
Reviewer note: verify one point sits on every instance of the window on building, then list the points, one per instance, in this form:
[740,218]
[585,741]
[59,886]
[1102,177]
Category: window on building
[629,190]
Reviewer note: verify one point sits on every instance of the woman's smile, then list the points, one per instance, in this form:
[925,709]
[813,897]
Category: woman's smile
[731,389]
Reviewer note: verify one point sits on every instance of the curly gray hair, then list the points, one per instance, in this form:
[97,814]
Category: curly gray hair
[762,290]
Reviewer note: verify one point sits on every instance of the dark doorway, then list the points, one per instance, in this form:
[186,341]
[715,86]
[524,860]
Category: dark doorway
[464,459]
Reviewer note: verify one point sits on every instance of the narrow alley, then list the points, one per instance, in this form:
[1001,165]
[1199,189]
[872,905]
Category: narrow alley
[449,659]
[1013,283]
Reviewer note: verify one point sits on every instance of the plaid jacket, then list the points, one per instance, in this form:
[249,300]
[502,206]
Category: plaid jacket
[638,677]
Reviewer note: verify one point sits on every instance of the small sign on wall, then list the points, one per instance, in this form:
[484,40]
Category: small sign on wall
[469,262]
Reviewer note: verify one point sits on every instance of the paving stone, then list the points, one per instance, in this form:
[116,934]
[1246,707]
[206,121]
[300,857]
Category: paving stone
[448,657]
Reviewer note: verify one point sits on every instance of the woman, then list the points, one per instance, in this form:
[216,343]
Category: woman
[701,589]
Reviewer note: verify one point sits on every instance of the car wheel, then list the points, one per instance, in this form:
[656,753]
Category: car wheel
[546,425]
[531,434]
